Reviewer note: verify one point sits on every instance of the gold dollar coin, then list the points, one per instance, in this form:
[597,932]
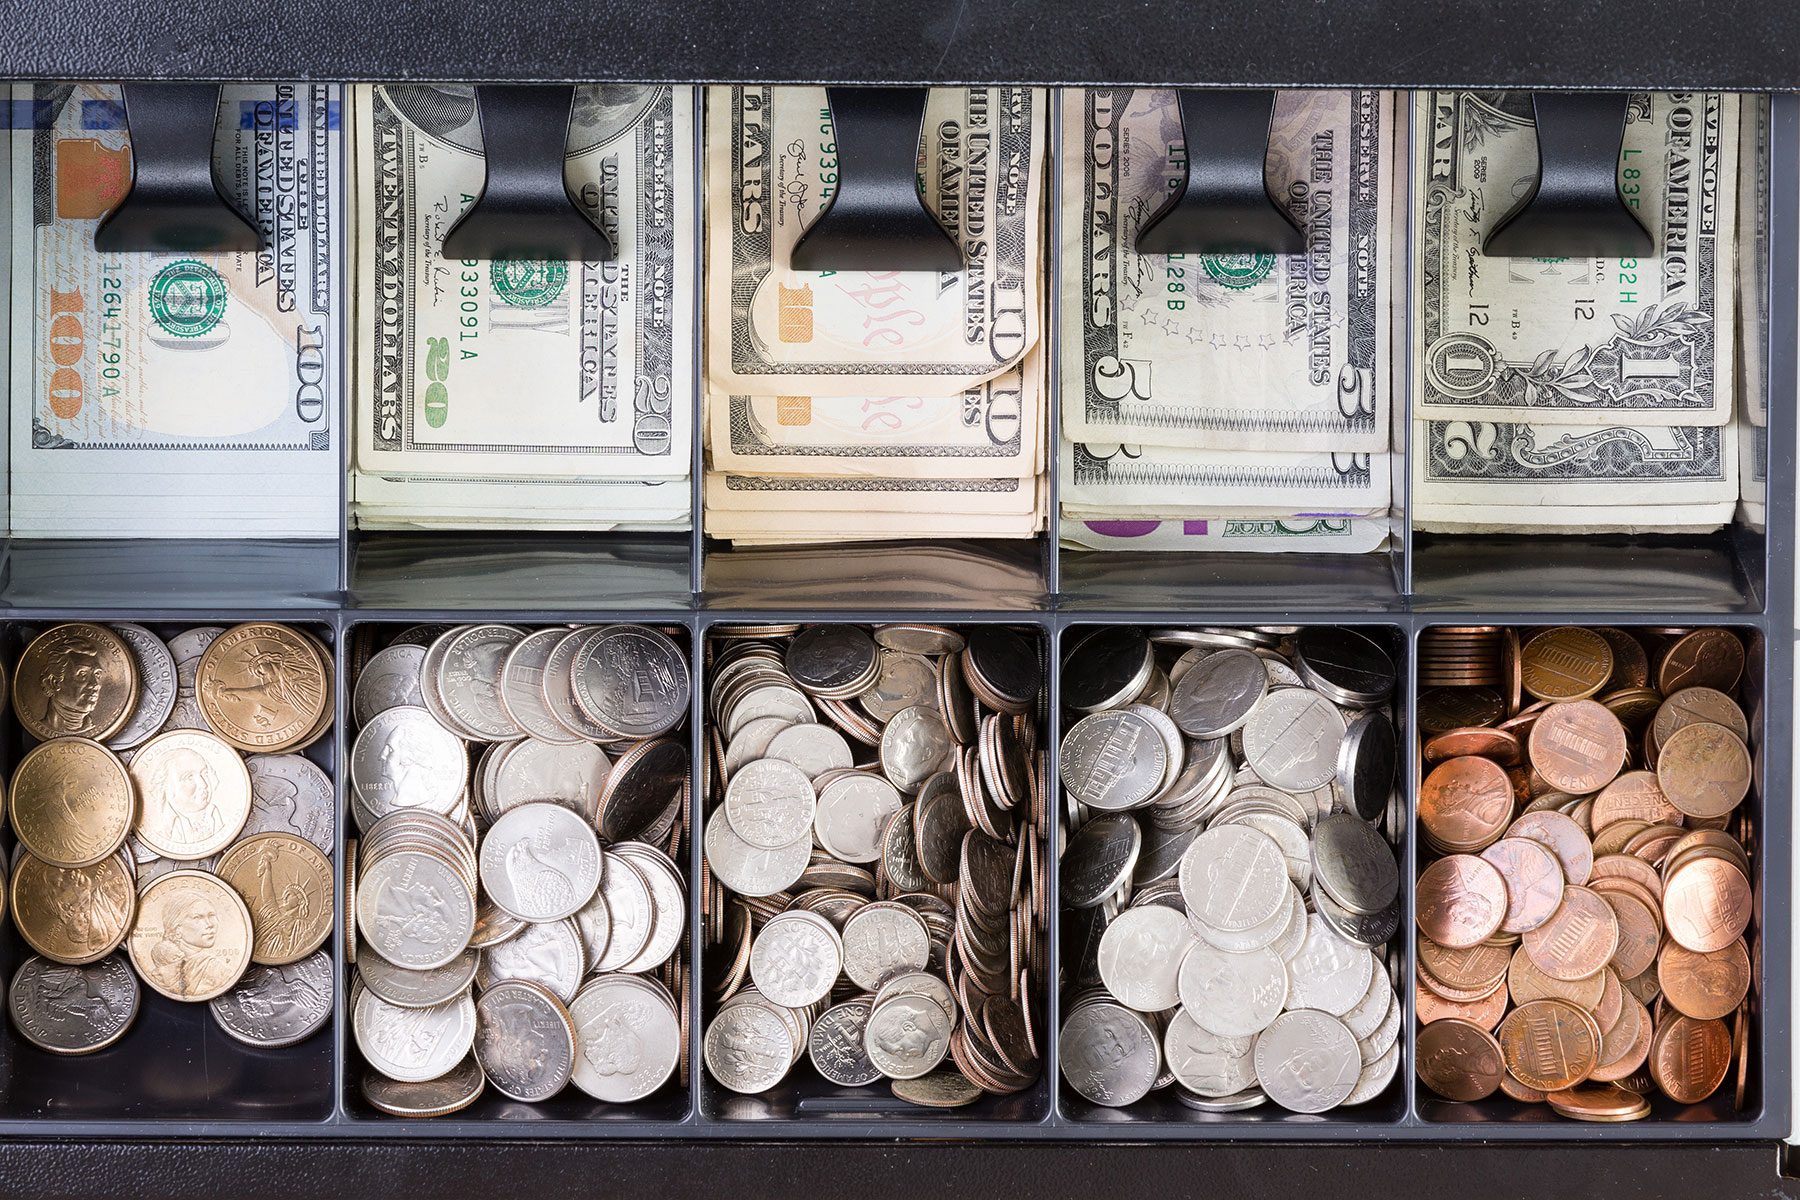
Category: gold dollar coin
[75,680]
[193,793]
[286,884]
[72,802]
[191,939]
[73,915]
[263,688]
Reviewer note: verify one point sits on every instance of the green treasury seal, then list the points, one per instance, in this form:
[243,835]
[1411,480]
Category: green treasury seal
[187,298]
[529,282]
[1238,271]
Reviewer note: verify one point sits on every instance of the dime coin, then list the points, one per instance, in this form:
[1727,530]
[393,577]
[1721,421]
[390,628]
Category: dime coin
[835,1045]
[192,936]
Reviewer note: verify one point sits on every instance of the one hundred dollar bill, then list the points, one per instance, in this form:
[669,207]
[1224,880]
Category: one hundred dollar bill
[1578,341]
[199,389]
[524,368]
[1243,351]
[771,330]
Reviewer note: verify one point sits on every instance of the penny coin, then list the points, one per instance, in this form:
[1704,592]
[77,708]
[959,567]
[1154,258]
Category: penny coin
[75,680]
[1566,663]
[274,1006]
[1706,904]
[1485,1013]
[1705,986]
[1704,658]
[191,938]
[1577,941]
[1534,882]
[1549,1044]
[73,1009]
[1465,803]
[1459,1060]
[1631,666]
[1599,1102]
[1698,705]
[72,915]
[1689,1058]
[1704,770]
[261,687]
[1577,746]
[193,793]
[71,802]
[1562,837]
[1461,901]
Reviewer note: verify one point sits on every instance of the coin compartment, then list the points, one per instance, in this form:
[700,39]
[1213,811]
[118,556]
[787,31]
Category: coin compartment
[805,1104]
[1766,708]
[174,1063]
[571,1111]
[1161,1114]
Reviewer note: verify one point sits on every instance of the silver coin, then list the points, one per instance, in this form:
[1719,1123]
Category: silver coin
[594,921]
[1355,865]
[448,1093]
[781,700]
[915,745]
[748,1047]
[1329,974]
[853,810]
[1113,761]
[547,953]
[920,639]
[186,648]
[632,680]
[1233,878]
[920,983]
[558,682]
[1365,1018]
[468,679]
[278,1006]
[404,759]
[1206,1063]
[1368,761]
[815,749]
[752,742]
[668,904]
[1174,747]
[627,1037]
[630,912]
[751,870]
[1110,1055]
[1371,930]
[414,910]
[880,941]
[796,958]
[1307,1061]
[1296,850]
[1375,1076]
[905,680]
[1100,859]
[522,688]
[835,1045]
[1141,954]
[770,804]
[525,1040]
[1249,1098]
[413,1044]
[1106,668]
[1292,739]
[157,686]
[417,989]
[389,679]
[569,773]
[830,658]
[1233,995]
[289,793]
[1218,695]
[1347,665]
[907,1037]
[73,1010]
[1386,1034]
[540,862]
[1285,931]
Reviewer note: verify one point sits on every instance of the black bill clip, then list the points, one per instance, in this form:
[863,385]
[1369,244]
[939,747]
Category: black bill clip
[525,208]
[876,220]
[1575,209]
[1223,204]
[174,203]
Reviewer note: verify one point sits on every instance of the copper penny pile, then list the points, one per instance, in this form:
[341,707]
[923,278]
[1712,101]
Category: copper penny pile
[1582,924]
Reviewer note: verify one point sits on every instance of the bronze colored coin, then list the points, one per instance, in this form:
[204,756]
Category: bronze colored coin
[1613,839]
[940,1089]
[1518,1091]
[262,687]
[1477,969]
[1461,901]
[1459,1060]
[73,915]
[1549,1044]
[1497,744]
[1567,663]
[1711,840]
[1465,803]
[1564,838]
[1633,706]
[75,680]
[1704,985]
[72,802]
[1689,1058]
[1706,904]
[1444,709]
[1599,1102]
[1484,1013]
[1704,658]
[1525,982]
[1612,1000]
[1631,666]
[1639,933]
[1740,1052]
[286,884]
[1578,746]
[1534,882]
[1577,941]
[1608,885]
[1637,796]
[193,794]
[192,936]
[1694,706]
[1625,1046]
[1644,987]
[1653,844]
[1704,770]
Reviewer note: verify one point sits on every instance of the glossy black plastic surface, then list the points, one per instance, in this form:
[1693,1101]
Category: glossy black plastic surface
[1573,208]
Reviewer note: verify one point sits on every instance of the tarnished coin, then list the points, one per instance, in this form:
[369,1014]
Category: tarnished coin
[1218,695]
[1549,1044]
[450,1092]
[73,1009]
[193,794]
[72,915]
[262,687]
[1459,1060]
[627,1038]
[540,862]
[187,648]
[191,939]
[156,686]
[1566,663]
[389,679]
[1306,1061]
[286,883]
[632,680]
[1704,770]
[72,802]
[835,1045]
[940,1089]
[277,1005]
[413,1045]
[75,680]
[1347,665]
[524,1040]
[290,794]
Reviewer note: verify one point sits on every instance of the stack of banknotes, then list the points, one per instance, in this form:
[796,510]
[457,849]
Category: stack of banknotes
[864,405]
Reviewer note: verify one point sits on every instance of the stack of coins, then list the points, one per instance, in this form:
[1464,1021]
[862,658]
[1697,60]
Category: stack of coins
[1581,936]
[165,808]
[1229,892]
[875,892]
[515,907]
[1460,656]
